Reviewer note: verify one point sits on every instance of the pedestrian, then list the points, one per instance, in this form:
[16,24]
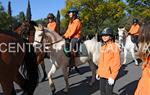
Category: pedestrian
[143,87]
[109,62]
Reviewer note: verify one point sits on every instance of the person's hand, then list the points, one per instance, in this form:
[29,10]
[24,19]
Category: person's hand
[110,81]
[97,77]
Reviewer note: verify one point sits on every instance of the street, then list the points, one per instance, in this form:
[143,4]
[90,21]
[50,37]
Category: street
[125,84]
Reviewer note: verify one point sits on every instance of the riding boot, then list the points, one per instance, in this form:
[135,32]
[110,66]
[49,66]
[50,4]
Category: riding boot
[71,61]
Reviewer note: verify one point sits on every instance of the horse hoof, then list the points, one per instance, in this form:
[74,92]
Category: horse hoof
[53,91]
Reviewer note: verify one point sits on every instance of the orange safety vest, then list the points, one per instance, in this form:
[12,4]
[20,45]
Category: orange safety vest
[74,30]
[143,87]
[134,29]
[52,26]
[109,61]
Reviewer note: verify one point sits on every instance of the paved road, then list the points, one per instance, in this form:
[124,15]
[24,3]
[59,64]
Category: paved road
[125,84]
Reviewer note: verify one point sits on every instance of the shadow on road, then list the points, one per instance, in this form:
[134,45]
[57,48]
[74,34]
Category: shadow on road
[129,89]
[18,91]
[139,61]
[122,71]
[81,88]
[83,70]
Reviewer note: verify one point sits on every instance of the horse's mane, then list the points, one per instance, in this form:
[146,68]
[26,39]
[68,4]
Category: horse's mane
[52,34]
[10,33]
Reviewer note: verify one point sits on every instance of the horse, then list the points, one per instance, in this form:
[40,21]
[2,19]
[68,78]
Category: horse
[58,58]
[26,31]
[11,59]
[127,44]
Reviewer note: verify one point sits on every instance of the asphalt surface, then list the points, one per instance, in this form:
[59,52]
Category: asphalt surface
[125,84]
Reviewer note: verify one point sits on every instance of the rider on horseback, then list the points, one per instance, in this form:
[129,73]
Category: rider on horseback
[51,22]
[73,33]
[134,31]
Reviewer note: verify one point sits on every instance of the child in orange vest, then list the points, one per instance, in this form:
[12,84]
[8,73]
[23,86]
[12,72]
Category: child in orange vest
[51,22]
[143,87]
[109,62]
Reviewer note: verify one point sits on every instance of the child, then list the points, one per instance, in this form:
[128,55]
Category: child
[109,62]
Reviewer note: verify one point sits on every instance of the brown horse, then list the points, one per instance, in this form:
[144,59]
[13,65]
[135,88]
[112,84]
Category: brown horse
[26,30]
[10,61]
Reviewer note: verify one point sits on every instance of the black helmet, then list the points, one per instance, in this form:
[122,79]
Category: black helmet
[50,16]
[135,20]
[73,9]
[107,31]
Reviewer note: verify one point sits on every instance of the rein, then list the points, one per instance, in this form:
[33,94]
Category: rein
[51,43]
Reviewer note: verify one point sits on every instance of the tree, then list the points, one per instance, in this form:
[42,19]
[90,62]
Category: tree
[9,9]
[94,14]
[28,14]
[139,9]
[21,17]
[3,18]
[9,14]
[58,21]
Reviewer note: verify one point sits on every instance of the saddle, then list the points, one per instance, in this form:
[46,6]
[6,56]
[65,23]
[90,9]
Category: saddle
[134,38]
[80,49]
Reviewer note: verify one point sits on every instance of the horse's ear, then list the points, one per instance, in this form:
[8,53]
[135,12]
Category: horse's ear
[118,28]
[123,28]
[40,27]
[36,28]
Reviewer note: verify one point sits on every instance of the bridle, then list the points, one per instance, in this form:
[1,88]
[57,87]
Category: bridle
[50,44]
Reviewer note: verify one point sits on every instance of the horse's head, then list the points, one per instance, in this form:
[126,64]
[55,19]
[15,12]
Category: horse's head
[44,35]
[121,31]
[26,29]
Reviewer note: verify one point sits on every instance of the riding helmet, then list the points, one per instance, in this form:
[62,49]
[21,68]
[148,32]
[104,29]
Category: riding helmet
[50,16]
[135,20]
[107,31]
[73,9]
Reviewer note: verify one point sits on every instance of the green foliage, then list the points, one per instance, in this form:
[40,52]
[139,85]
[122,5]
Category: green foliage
[28,14]
[139,9]
[94,14]
[58,21]
[21,17]
[4,23]
[9,14]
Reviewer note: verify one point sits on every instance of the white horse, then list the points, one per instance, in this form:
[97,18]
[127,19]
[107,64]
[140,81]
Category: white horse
[58,58]
[126,44]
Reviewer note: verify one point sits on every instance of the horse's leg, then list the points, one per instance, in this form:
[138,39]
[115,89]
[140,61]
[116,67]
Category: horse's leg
[8,87]
[51,83]
[93,69]
[133,56]
[125,56]
[65,73]
[21,81]
[44,71]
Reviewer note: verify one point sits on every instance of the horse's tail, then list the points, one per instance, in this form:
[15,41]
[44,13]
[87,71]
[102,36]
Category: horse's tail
[30,71]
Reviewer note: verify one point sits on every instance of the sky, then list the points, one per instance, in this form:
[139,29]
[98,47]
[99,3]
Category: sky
[39,8]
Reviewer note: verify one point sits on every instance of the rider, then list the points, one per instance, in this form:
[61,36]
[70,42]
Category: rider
[73,32]
[109,62]
[134,30]
[51,22]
